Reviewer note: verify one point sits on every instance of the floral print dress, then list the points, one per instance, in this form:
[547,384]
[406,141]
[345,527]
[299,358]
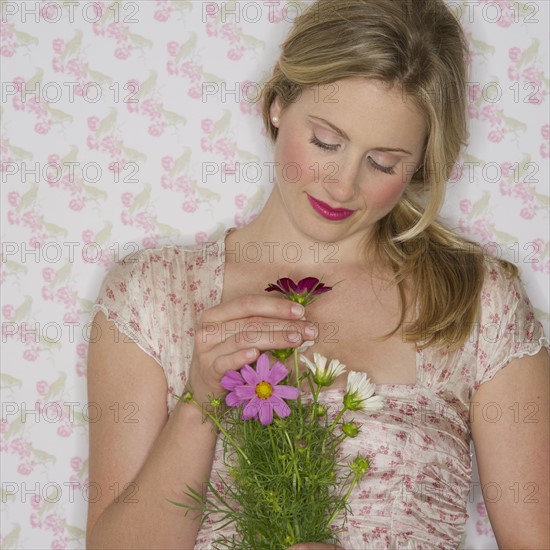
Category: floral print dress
[414,495]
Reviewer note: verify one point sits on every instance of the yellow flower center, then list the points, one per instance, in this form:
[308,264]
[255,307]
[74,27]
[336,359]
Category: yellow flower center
[264,390]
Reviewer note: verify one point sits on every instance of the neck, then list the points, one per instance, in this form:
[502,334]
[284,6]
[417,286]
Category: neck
[273,237]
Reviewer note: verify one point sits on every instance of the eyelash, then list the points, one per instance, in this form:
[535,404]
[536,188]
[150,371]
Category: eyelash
[328,147]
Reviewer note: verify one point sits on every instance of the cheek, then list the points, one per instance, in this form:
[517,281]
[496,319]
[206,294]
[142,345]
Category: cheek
[293,157]
[386,192]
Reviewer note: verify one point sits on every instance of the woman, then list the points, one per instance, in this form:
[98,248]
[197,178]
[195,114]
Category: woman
[366,108]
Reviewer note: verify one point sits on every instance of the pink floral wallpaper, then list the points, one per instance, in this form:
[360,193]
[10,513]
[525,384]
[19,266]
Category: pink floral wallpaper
[128,124]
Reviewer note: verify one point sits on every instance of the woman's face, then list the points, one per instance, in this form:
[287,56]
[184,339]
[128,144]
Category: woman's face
[343,156]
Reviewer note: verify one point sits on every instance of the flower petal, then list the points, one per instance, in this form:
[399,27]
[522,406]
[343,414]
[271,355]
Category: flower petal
[287,392]
[245,392]
[312,367]
[251,409]
[266,412]
[278,373]
[250,375]
[306,285]
[231,379]
[287,284]
[279,406]
[232,400]
[321,289]
[262,368]
[271,287]
[373,403]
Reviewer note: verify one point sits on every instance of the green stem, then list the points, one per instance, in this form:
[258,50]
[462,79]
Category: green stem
[343,501]
[296,370]
[222,429]
[340,414]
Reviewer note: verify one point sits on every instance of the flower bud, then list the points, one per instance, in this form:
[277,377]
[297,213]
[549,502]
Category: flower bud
[282,354]
[351,429]
[360,465]
[320,410]
[215,402]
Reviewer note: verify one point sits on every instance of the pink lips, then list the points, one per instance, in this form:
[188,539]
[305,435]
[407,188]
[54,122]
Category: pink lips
[327,211]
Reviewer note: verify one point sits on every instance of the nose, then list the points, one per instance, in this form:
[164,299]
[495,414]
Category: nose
[341,181]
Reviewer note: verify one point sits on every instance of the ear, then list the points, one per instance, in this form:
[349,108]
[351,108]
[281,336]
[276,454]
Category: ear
[275,109]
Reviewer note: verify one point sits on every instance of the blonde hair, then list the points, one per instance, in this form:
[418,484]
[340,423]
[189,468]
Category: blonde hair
[419,47]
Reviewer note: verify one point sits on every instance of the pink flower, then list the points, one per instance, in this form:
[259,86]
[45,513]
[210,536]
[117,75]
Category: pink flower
[304,291]
[465,206]
[8,311]
[200,237]
[64,431]
[258,390]
[513,73]
[506,168]
[167,163]
[42,127]
[173,48]
[25,469]
[527,213]
[58,45]
[121,53]
[195,92]
[545,131]
[514,54]
[35,521]
[240,201]
[76,463]
[161,16]
[127,199]
[93,123]
[42,387]
[88,236]
[81,350]
[207,125]
[190,206]
[235,54]
[495,137]
[81,368]
[14,198]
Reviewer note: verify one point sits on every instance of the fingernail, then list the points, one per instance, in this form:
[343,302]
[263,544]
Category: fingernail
[297,309]
[311,331]
[294,337]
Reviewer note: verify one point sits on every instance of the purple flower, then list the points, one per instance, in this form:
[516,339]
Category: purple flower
[259,390]
[302,292]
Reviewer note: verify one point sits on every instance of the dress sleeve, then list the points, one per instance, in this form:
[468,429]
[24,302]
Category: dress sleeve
[125,297]
[509,328]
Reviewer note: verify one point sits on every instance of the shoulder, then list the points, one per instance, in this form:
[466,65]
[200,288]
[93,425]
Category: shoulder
[164,262]
[503,289]
[508,326]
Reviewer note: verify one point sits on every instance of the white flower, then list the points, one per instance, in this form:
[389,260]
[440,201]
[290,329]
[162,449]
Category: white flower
[322,375]
[305,345]
[360,393]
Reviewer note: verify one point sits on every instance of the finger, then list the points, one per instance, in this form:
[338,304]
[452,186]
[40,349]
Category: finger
[267,333]
[254,305]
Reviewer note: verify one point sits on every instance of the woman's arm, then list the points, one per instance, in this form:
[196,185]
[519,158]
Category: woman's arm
[146,453]
[138,460]
[510,428]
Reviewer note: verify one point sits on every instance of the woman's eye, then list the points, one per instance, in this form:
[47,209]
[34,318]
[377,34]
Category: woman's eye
[322,145]
[376,166]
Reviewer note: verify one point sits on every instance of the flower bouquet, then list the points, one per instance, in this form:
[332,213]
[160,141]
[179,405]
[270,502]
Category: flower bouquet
[286,479]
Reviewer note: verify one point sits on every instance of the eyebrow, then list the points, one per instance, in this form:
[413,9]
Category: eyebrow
[341,132]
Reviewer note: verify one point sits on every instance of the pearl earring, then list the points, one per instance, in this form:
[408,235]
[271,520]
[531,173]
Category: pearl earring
[275,119]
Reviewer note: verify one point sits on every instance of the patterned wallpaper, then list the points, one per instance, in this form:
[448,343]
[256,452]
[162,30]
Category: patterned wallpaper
[128,124]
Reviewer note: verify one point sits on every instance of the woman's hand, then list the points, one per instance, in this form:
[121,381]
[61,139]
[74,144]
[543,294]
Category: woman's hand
[233,334]
[315,546]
